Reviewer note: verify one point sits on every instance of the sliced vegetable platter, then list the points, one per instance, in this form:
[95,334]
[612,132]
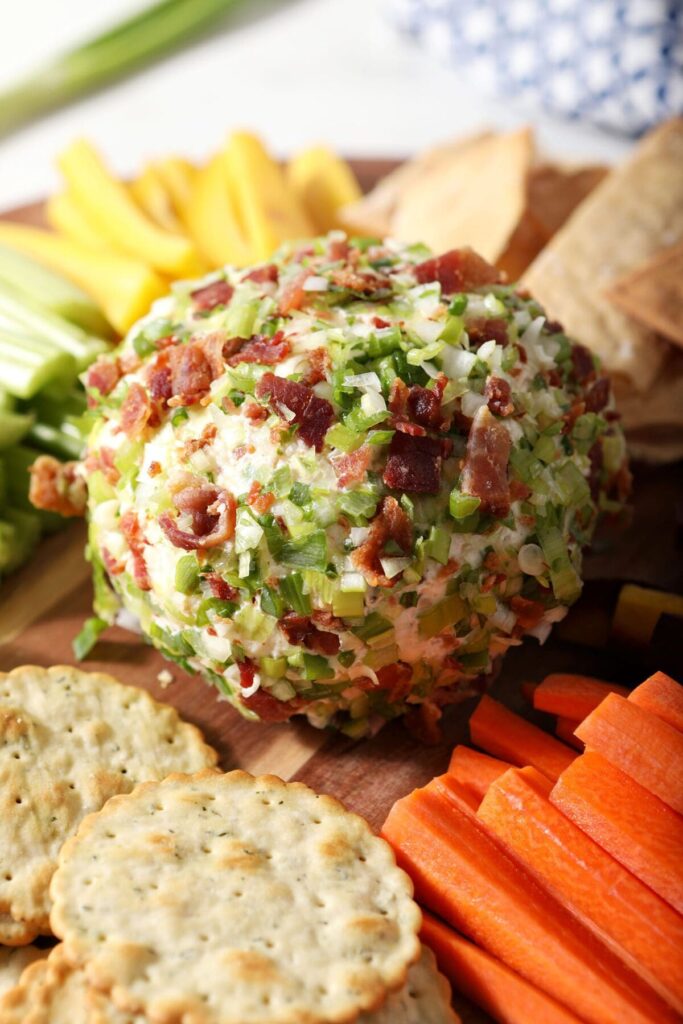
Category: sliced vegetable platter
[43,606]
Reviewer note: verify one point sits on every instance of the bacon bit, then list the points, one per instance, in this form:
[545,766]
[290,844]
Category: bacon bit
[159,379]
[414,464]
[398,398]
[135,410]
[213,513]
[195,444]
[300,631]
[293,293]
[218,293]
[572,416]
[422,722]
[266,707]
[379,323]
[129,361]
[104,375]
[458,270]
[312,415]
[366,283]
[261,503]
[554,327]
[582,363]
[424,407]
[130,528]
[351,468]
[318,366]
[113,567]
[267,274]
[220,588]
[324,617]
[191,374]
[262,349]
[595,457]
[529,613]
[57,487]
[480,329]
[395,680]
[522,353]
[553,377]
[597,396]
[406,427]
[338,249]
[485,469]
[390,523]
[104,462]
[499,396]
[255,412]
[519,491]
[154,469]
[217,347]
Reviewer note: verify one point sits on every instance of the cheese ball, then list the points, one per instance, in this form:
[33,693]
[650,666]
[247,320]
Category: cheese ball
[344,483]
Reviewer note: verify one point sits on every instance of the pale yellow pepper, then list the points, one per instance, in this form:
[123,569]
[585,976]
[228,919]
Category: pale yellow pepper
[212,220]
[150,193]
[323,183]
[67,217]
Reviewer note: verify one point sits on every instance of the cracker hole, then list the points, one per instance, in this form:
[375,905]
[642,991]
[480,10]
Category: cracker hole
[18,800]
[16,756]
[69,728]
[203,938]
[110,835]
[316,821]
[362,858]
[238,893]
[8,877]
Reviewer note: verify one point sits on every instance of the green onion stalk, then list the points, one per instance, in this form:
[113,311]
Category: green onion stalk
[153,32]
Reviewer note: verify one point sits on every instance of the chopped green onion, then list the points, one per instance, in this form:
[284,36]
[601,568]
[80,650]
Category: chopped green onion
[346,658]
[223,609]
[372,626]
[564,578]
[179,416]
[342,437]
[462,505]
[358,503]
[84,641]
[292,591]
[308,553]
[271,602]
[458,305]
[187,574]
[317,667]
[348,604]
[438,544]
[448,612]
[273,667]
[300,494]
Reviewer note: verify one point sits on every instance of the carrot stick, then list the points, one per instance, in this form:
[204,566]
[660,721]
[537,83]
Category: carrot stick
[506,996]
[564,730]
[460,872]
[639,926]
[628,822]
[572,696]
[504,734]
[663,696]
[474,772]
[640,744]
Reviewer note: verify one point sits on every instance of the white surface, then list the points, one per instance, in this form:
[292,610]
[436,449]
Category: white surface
[296,71]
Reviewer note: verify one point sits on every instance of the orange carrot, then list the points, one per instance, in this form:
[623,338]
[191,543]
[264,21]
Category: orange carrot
[663,696]
[460,872]
[507,997]
[572,696]
[474,772]
[639,926]
[564,730]
[504,734]
[640,744]
[628,822]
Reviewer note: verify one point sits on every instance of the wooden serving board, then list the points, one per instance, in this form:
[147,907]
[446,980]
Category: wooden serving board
[43,606]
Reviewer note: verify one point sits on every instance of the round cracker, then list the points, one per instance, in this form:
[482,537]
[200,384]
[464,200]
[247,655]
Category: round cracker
[69,740]
[16,933]
[52,991]
[235,900]
[424,999]
[13,962]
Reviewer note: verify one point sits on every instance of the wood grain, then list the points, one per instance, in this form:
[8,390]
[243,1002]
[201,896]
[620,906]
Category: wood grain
[43,606]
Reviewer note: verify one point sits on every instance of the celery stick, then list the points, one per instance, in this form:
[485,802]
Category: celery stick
[7,401]
[55,441]
[8,547]
[13,426]
[66,336]
[57,294]
[26,364]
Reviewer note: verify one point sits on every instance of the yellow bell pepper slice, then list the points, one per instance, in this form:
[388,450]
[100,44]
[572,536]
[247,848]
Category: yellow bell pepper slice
[269,209]
[211,218]
[150,193]
[323,183]
[108,205]
[123,288]
[638,611]
[67,217]
[179,177]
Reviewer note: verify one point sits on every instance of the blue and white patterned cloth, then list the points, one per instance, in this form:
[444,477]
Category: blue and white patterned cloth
[615,63]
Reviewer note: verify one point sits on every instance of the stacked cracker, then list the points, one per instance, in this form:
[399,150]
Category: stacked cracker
[603,252]
[204,897]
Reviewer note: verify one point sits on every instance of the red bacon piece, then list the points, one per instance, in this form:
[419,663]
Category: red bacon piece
[499,396]
[485,469]
[395,680]
[480,329]
[424,407]
[312,415]
[390,523]
[293,293]
[217,347]
[213,514]
[57,487]
[458,270]
[263,704]
[262,349]
[318,366]
[338,249]
[398,398]
[190,373]
[597,395]
[104,375]
[582,363]
[135,411]
[258,499]
[255,412]
[364,283]
[351,468]
[267,274]
[160,380]
[218,293]
[220,588]
[130,528]
[414,463]
[301,632]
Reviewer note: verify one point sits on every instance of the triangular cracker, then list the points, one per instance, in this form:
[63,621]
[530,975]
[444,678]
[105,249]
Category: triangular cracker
[653,293]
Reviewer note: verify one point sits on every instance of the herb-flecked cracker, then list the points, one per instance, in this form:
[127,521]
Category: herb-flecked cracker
[229,899]
[424,999]
[68,741]
[12,963]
